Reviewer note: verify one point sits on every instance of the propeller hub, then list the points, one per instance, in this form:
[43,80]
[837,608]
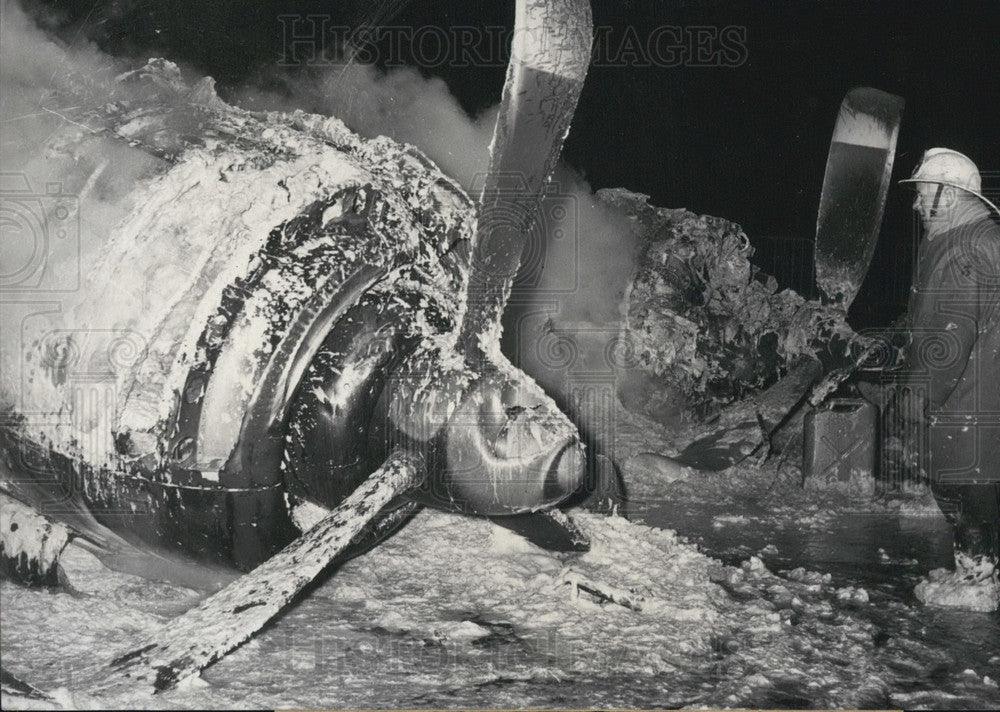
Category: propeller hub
[508,450]
[496,443]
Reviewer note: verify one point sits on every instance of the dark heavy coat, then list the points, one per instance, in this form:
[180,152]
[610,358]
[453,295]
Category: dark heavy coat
[954,354]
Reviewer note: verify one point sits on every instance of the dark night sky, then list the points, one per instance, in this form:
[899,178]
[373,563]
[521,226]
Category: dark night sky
[748,142]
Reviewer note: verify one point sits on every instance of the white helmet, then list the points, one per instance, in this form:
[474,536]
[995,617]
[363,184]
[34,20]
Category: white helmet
[946,167]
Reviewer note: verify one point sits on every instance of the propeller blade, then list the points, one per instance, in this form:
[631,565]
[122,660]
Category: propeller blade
[549,58]
[855,186]
[550,529]
[851,206]
[15,688]
[228,618]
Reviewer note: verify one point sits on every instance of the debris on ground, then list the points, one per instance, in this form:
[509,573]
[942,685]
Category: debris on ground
[708,327]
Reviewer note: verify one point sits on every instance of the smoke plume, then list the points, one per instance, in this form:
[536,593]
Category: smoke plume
[575,266]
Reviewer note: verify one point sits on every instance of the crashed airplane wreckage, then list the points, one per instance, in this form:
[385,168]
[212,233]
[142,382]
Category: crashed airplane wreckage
[295,336]
[716,353]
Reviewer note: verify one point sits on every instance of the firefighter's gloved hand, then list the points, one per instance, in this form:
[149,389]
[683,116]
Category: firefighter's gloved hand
[887,350]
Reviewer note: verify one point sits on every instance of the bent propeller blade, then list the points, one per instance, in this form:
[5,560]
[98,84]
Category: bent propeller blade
[855,186]
[851,206]
[549,58]
[228,618]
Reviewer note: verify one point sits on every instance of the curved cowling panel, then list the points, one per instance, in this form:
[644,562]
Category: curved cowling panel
[328,450]
[165,388]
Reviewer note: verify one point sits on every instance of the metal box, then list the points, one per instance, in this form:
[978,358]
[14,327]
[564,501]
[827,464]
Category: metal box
[840,446]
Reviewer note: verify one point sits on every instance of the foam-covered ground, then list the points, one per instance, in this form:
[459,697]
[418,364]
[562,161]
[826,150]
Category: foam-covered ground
[815,610]
[457,611]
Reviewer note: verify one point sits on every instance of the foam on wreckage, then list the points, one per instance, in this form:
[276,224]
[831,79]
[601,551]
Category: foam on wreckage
[30,544]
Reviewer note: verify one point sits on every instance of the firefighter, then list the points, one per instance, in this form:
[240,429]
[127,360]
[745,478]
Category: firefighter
[953,360]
